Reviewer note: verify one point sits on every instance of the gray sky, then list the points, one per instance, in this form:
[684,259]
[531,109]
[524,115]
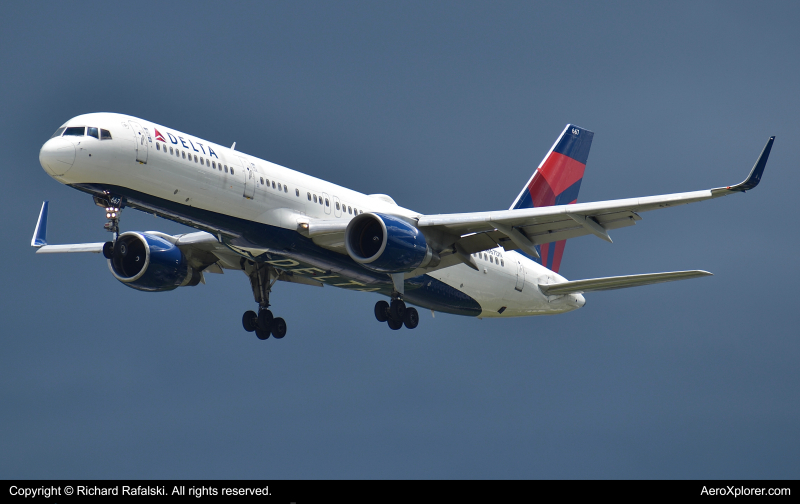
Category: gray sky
[447,107]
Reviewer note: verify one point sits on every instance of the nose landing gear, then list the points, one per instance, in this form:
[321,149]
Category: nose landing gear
[113,206]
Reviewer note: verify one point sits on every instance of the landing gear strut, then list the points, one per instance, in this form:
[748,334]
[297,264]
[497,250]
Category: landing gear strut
[262,278]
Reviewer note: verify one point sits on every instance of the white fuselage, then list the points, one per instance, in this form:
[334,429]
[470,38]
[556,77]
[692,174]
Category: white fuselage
[205,178]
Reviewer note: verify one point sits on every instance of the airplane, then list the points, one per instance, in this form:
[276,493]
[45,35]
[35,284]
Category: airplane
[277,224]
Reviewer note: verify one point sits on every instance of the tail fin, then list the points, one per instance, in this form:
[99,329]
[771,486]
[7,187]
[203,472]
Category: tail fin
[557,181]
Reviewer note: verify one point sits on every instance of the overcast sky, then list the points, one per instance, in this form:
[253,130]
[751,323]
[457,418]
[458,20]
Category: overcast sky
[447,107]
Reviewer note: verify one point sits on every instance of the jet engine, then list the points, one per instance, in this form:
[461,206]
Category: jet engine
[387,244]
[150,263]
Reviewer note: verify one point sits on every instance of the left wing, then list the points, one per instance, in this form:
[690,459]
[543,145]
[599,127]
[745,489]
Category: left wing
[526,228]
[203,251]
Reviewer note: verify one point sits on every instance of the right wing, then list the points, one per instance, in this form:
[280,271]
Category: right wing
[524,229]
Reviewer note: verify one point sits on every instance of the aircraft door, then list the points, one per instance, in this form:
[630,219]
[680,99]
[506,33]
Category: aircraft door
[326,204]
[250,178]
[141,140]
[337,207]
[520,276]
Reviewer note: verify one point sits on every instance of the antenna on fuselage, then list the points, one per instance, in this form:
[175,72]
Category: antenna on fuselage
[233,147]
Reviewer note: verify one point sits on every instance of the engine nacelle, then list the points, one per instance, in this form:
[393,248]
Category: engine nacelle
[149,263]
[387,244]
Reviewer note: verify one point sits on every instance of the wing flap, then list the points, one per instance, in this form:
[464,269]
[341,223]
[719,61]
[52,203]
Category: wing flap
[618,282]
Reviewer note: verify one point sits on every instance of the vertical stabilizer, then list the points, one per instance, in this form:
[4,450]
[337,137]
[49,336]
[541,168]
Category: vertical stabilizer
[557,181]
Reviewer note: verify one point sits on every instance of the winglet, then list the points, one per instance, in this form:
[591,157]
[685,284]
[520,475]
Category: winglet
[754,178]
[40,233]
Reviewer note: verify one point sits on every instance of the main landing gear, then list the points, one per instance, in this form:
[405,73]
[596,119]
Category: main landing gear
[396,314]
[263,323]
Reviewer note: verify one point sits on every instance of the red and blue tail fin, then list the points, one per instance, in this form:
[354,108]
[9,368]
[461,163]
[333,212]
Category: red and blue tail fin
[557,181]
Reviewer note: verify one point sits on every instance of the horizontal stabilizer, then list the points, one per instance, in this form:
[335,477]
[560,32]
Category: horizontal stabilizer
[618,282]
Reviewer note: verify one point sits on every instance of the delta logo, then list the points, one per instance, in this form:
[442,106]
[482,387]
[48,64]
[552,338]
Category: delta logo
[159,136]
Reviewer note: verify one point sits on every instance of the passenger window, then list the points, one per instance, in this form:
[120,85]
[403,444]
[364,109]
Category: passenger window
[158,146]
[74,131]
[195,159]
[262,180]
[327,203]
[285,188]
[201,161]
[213,165]
[231,170]
[297,192]
[92,132]
[273,184]
[309,196]
[219,167]
[337,205]
[320,200]
[315,198]
[183,153]
[502,263]
[58,132]
[170,150]
[105,135]
[226,169]
[279,187]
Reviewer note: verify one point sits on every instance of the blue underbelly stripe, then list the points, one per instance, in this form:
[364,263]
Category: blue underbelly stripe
[280,243]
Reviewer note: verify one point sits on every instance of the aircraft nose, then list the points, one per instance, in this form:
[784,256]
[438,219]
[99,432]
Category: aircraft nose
[57,156]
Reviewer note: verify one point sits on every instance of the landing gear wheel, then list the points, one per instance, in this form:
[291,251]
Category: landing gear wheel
[262,334]
[278,328]
[397,310]
[411,319]
[265,320]
[382,311]
[394,324]
[249,321]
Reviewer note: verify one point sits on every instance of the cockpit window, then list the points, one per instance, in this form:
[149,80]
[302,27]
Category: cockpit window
[74,131]
[92,132]
[105,135]
[59,131]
